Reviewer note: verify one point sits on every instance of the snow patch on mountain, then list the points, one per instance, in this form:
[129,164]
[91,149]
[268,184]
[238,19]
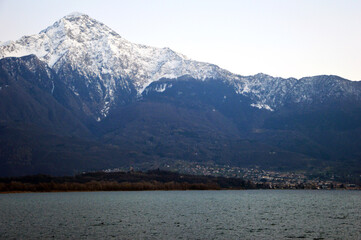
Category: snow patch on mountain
[262,106]
[163,87]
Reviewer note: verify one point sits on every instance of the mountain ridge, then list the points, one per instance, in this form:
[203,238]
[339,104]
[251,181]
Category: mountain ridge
[95,59]
[93,100]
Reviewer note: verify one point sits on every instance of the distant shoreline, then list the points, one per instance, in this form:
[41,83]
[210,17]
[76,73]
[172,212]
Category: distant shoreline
[121,181]
[154,180]
[160,190]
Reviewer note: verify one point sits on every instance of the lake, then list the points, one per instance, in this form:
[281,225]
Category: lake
[251,214]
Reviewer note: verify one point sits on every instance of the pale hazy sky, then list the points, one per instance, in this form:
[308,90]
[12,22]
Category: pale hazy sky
[285,38]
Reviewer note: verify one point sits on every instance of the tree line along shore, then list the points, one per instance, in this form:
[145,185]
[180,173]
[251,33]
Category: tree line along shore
[121,181]
[133,181]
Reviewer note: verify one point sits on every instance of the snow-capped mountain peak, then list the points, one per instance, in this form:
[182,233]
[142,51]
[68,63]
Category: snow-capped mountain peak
[104,58]
[96,50]
[75,14]
[99,65]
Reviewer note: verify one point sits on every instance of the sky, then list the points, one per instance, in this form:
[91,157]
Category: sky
[282,38]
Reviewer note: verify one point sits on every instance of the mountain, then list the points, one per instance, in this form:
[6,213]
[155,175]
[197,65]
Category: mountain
[93,99]
[99,65]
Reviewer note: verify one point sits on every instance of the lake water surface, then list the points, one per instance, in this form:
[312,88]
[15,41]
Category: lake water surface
[253,214]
